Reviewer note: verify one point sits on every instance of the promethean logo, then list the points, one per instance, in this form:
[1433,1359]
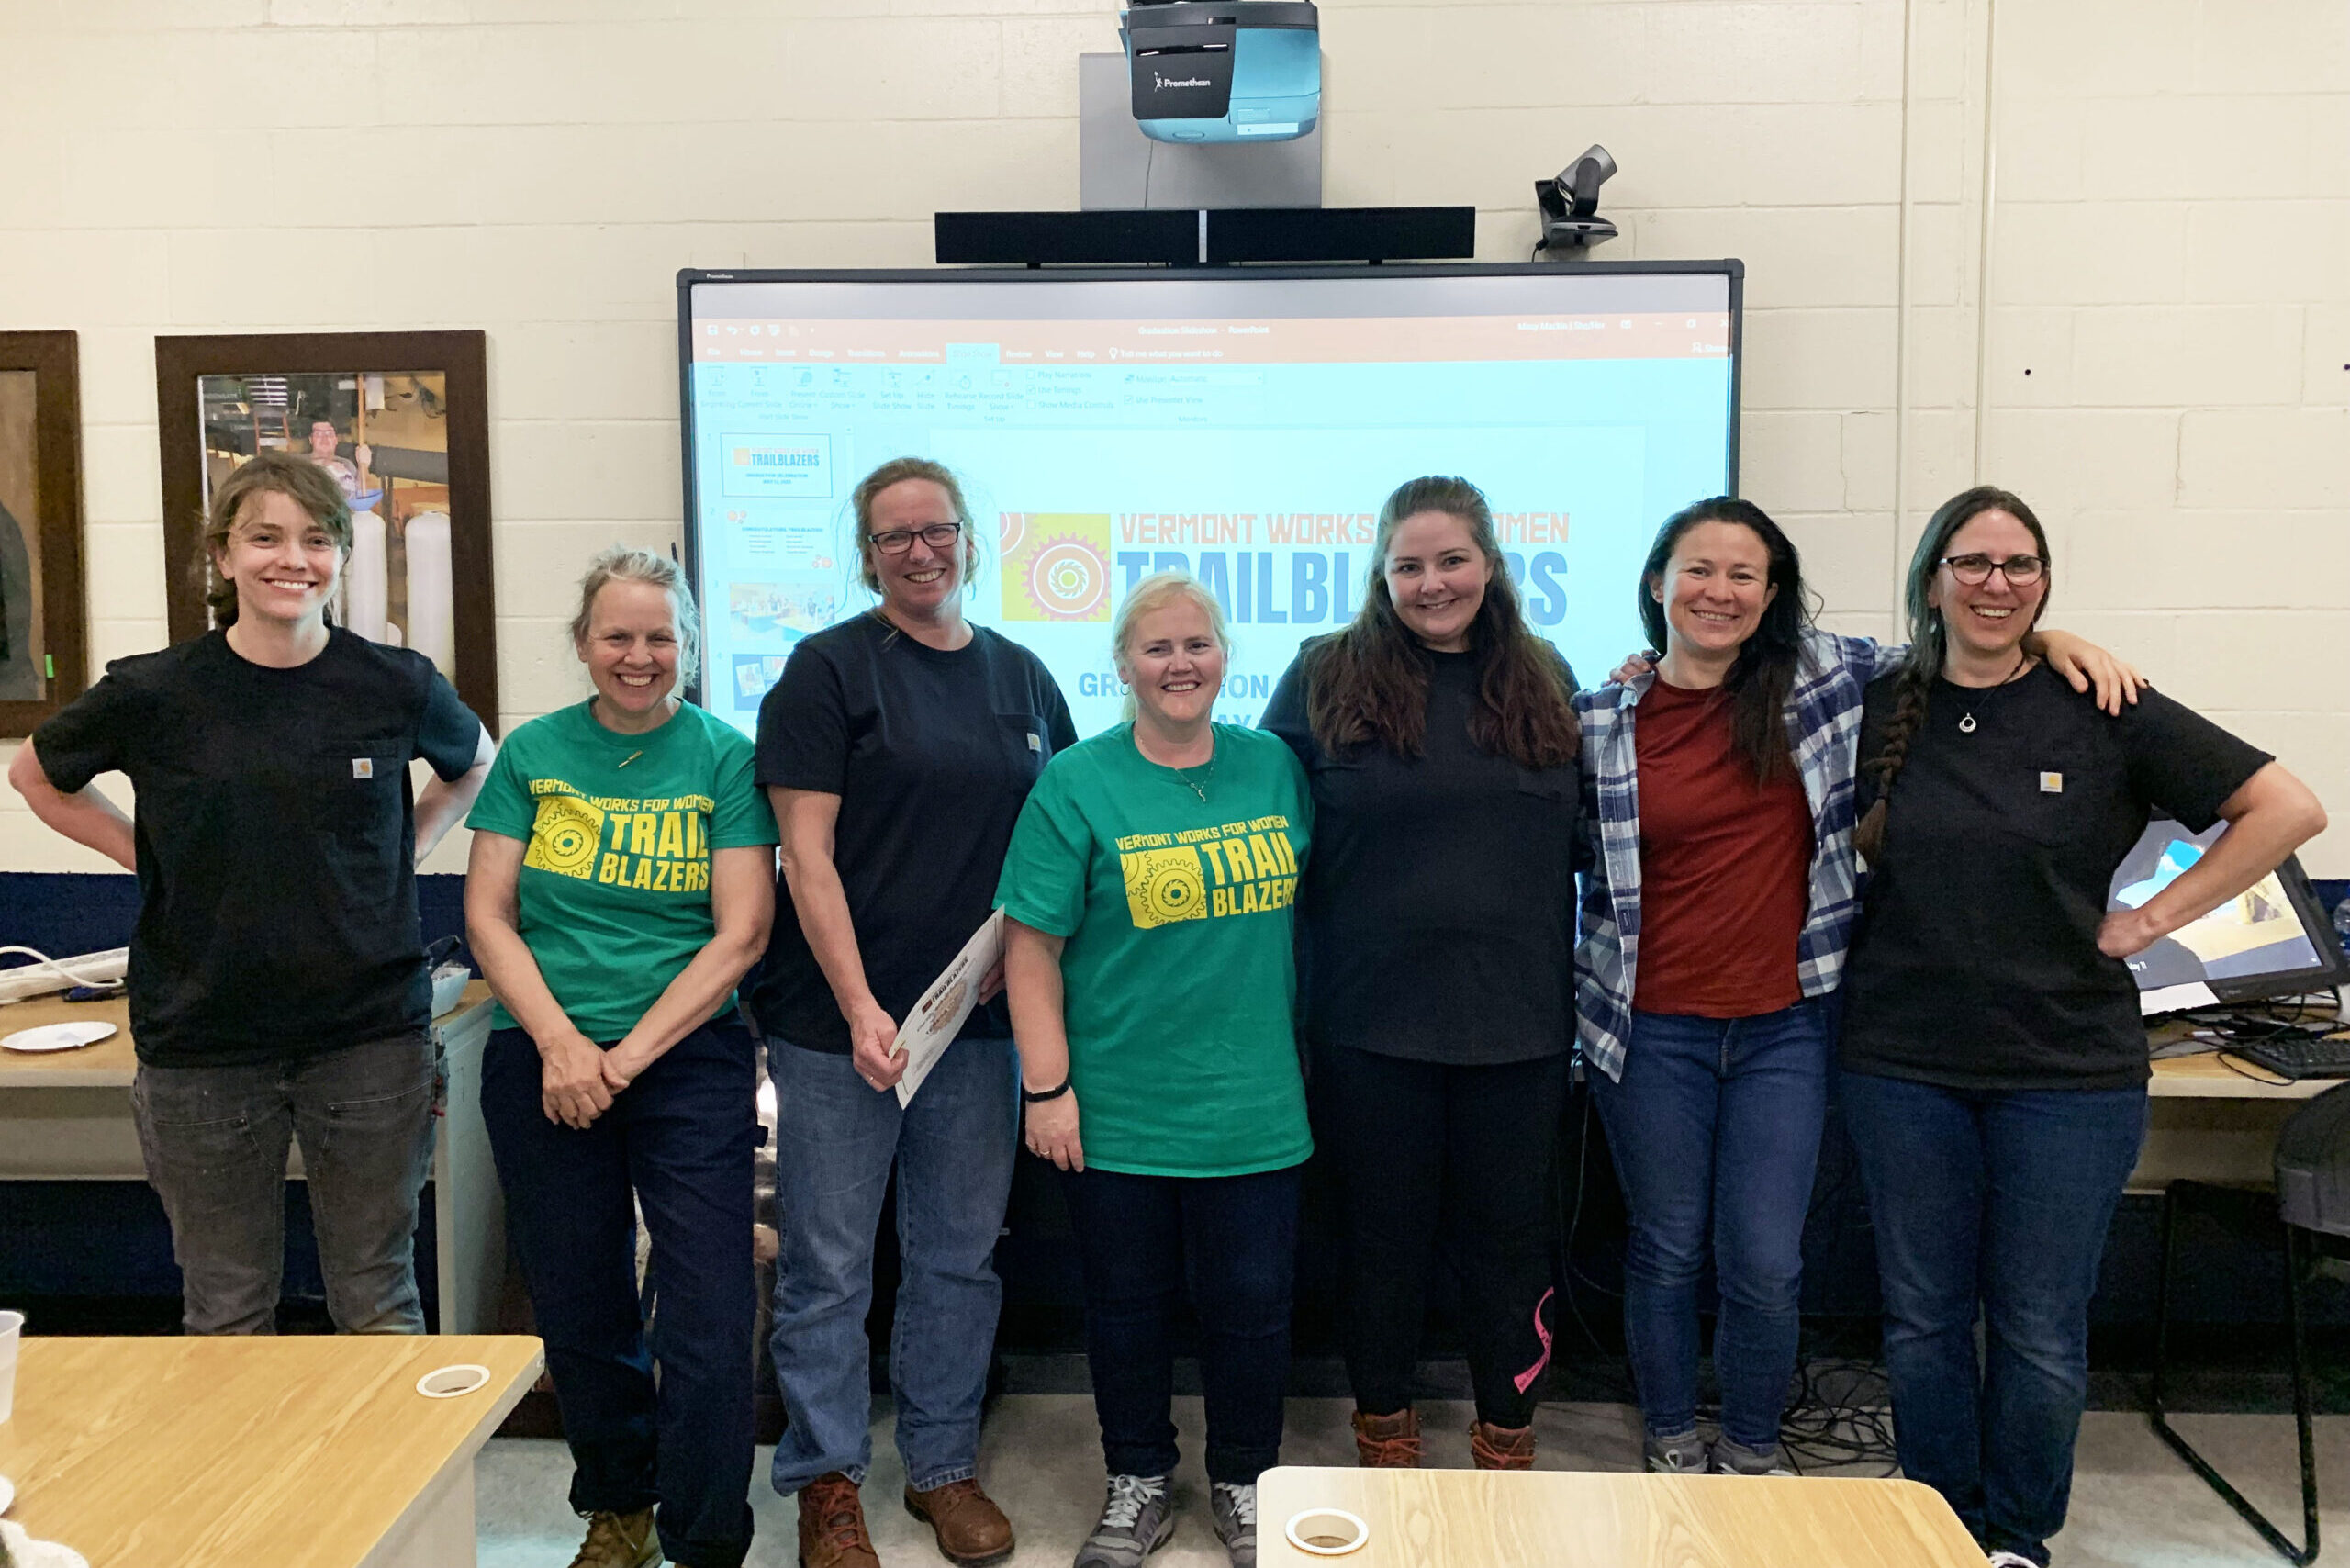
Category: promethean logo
[1159,81]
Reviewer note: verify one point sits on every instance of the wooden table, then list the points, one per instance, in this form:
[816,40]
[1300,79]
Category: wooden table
[2211,1122]
[1565,1518]
[300,1452]
[65,1115]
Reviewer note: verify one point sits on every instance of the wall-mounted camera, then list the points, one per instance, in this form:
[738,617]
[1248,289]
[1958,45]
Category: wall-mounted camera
[1206,70]
[1570,202]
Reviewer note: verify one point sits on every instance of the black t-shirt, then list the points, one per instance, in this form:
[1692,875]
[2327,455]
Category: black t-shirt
[1974,964]
[1436,917]
[932,755]
[276,839]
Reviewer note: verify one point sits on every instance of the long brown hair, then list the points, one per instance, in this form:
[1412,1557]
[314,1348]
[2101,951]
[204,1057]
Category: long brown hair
[1764,671]
[298,479]
[1930,644]
[1369,683]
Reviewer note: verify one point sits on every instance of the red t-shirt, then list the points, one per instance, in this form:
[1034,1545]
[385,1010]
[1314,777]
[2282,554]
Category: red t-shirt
[1725,865]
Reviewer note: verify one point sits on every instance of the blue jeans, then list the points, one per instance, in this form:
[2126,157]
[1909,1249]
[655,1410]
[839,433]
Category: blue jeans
[1715,1128]
[1996,1203]
[836,1140]
[1226,1244]
[215,1141]
[678,1141]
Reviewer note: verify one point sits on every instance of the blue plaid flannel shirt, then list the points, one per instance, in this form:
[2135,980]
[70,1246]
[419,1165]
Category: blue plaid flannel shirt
[1832,674]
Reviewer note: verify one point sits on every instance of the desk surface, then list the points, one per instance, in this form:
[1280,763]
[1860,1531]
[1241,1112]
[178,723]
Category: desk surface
[1562,1518]
[231,1452]
[110,1063]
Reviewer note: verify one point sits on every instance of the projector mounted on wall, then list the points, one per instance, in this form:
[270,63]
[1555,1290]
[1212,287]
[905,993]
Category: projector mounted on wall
[1207,71]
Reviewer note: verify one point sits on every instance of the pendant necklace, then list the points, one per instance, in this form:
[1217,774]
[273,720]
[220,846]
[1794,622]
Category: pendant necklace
[1967,725]
[1198,786]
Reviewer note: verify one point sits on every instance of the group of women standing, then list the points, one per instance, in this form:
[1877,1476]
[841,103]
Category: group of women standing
[1407,827]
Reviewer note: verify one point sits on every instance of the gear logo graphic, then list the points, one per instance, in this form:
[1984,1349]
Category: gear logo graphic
[1056,566]
[565,836]
[1164,886]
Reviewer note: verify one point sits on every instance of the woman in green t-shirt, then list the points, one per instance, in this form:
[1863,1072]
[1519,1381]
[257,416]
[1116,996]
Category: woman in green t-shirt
[622,880]
[1147,892]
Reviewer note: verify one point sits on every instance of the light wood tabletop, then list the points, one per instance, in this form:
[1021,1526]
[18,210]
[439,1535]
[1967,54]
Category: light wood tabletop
[112,1062]
[1566,1518]
[314,1451]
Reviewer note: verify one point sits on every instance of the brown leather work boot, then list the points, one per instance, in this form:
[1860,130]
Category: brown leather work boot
[1501,1447]
[971,1529]
[832,1525]
[1388,1442]
[620,1541]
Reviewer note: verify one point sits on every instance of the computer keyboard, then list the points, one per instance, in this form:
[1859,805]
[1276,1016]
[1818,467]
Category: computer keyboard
[2308,1058]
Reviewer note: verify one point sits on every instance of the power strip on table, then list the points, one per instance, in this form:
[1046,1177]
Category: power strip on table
[46,975]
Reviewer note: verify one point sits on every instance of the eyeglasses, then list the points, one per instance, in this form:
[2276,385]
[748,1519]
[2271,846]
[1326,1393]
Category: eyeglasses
[2021,571]
[898,541]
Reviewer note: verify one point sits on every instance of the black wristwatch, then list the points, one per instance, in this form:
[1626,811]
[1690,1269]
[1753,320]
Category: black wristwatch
[1055,1092]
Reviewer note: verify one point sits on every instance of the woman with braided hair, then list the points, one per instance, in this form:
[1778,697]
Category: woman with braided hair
[1719,785]
[1994,1063]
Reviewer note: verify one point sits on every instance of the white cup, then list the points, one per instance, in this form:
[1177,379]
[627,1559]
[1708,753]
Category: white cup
[12,1329]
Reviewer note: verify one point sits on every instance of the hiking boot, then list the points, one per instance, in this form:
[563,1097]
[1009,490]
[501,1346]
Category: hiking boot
[1137,1516]
[1680,1454]
[620,1541]
[971,1529]
[1501,1447]
[832,1525]
[1388,1442]
[1233,1508]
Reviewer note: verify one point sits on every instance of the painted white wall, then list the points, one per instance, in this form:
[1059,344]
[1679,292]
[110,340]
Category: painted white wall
[2164,210]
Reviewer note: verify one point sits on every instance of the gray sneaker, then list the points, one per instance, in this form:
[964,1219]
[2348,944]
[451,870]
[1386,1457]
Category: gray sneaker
[1234,1509]
[1682,1454]
[1737,1459]
[1137,1516]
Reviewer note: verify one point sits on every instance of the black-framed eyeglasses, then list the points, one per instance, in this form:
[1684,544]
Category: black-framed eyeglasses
[898,541]
[1975,570]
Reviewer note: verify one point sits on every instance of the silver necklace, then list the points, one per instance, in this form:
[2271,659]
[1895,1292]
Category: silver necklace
[1967,725]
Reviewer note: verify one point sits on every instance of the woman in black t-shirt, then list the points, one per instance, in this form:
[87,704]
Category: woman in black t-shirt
[1994,1061]
[897,750]
[278,986]
[1436,926]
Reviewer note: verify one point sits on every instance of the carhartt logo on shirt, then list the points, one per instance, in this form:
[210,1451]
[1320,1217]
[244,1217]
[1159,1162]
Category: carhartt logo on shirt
[363,768]
[1035,741]
[2052,783]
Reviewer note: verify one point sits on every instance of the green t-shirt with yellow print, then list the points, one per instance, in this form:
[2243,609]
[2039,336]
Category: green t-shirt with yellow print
[614,891]
[1179,972]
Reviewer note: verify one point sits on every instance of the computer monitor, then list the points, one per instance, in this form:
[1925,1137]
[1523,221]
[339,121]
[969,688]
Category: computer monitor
[2272,939]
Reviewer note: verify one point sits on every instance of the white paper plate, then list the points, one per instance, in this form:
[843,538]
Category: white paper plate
[7,1493]
[57,1036]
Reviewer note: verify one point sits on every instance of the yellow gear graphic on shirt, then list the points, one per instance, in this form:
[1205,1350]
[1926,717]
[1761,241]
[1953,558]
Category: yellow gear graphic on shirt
[565,836]
[1164,886]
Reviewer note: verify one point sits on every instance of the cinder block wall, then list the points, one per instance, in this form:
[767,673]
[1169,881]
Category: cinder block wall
[2154,196]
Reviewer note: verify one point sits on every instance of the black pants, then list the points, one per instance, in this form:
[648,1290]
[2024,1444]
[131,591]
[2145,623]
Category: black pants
[680,1138]
[1228,1244]
[1425,1151]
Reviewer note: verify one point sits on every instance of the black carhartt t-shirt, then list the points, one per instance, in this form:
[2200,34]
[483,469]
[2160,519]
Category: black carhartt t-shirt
[933,754]
[276,839]
[1437,918]
[1974,964]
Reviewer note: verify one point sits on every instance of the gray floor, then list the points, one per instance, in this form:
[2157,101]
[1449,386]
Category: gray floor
[2135,1504]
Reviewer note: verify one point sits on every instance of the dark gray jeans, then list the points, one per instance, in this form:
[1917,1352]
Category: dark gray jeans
[214,1140]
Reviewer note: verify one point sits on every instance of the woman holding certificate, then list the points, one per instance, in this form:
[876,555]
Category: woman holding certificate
[896,749]
[1148,896]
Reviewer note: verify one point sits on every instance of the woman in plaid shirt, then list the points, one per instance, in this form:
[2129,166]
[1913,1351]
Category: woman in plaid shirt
[1714,918]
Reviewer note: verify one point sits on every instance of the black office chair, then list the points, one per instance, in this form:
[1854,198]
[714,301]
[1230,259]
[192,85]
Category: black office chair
[2311,1209]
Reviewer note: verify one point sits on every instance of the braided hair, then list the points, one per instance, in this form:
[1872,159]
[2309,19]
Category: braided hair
[1929,645]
